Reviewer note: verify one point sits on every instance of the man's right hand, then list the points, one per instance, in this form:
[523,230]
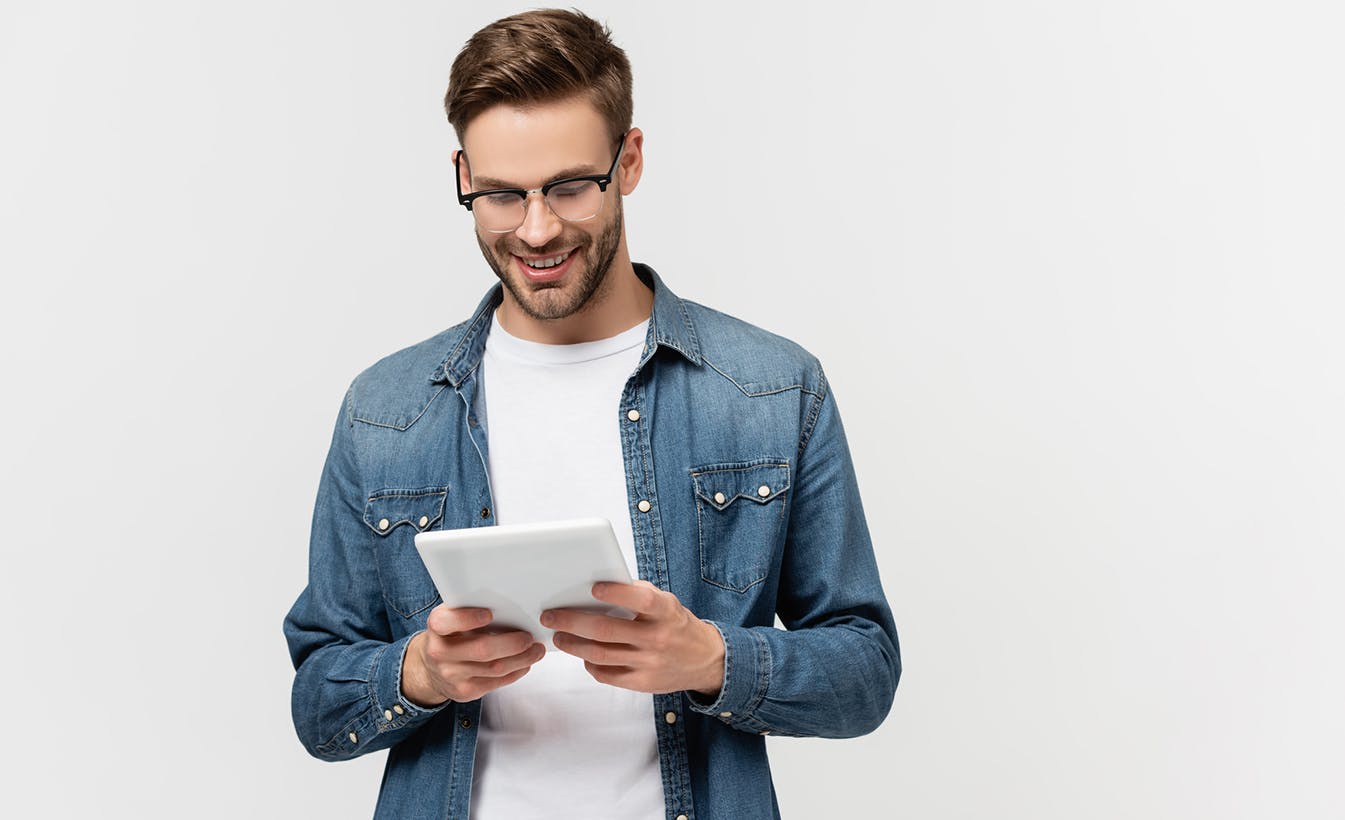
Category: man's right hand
[453,659]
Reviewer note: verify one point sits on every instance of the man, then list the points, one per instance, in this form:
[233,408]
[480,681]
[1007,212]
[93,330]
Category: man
[582,386]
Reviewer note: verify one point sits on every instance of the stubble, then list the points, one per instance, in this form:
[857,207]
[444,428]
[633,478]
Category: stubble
[558,300]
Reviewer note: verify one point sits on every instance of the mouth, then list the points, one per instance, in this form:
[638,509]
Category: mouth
[545,268]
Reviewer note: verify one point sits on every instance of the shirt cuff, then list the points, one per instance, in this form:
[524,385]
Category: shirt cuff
[385,681]
[747,678]
[385,710]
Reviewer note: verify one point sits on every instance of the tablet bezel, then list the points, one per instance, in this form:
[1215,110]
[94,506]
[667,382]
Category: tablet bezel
[519,570]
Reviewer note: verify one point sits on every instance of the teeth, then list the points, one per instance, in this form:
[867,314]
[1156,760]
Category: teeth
[540,264]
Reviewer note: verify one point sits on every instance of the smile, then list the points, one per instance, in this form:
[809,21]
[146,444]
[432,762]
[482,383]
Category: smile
[549,262]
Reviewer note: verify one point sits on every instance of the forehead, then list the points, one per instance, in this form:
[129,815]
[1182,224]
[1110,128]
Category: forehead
[528,145]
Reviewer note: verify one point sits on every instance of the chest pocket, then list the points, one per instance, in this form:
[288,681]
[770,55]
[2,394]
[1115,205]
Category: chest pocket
[741,515]
[395,516]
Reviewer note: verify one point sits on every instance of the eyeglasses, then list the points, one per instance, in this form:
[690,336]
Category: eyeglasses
[573,199]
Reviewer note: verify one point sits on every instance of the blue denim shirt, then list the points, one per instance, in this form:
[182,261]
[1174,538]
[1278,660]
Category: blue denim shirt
[754,512]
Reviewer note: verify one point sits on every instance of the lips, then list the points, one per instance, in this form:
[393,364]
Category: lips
[545,268]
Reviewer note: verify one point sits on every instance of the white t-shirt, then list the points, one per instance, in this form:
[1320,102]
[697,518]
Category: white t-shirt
[558,744]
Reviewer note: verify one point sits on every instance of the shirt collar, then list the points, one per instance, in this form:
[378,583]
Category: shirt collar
[670,327]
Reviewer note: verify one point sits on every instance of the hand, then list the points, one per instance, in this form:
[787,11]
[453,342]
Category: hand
[454,660]
[665,649]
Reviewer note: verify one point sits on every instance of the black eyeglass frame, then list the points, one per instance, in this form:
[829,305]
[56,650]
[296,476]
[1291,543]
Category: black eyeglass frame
[603,181]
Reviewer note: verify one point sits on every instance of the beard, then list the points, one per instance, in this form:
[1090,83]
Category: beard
[585,287]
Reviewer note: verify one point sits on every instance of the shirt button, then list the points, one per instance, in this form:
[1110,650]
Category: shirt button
[387,714]
[485,512]
[466,723]
[719,498]
[726,714]
[681,817]
[765,732]
[670,717]
[354,738]
[383,523]
[763,491]
[424,519]
[398,709]
[644,506]
[633,415]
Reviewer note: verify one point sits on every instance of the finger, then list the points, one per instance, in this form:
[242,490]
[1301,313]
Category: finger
[595,652]
[640,597]
[446,620]
[504,667]
[476,687]
[483,647]
[603,628]
[620,676]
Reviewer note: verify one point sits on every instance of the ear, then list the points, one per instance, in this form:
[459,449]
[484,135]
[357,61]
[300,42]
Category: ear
[632,161]
[462,170]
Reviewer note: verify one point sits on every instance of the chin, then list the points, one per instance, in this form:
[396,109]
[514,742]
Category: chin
[580,281]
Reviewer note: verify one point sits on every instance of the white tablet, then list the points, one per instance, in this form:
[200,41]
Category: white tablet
[519,570]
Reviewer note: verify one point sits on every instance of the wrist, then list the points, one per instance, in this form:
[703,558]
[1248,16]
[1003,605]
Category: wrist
[416,686]
[712,679]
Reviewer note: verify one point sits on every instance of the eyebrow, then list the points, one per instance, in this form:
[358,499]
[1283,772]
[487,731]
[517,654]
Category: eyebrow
[487,183]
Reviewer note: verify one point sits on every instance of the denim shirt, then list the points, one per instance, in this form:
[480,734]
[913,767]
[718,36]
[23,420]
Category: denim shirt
[731,436]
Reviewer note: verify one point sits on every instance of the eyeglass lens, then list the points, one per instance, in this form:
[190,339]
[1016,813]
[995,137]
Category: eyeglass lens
[576,201]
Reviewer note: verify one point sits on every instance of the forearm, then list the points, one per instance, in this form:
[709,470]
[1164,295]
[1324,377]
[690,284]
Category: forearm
[835,671]
[347,700]
[827,681]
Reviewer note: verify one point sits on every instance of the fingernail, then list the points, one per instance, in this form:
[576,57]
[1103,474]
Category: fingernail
[548,619]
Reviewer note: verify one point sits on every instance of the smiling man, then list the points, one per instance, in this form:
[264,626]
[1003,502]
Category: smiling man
[582,386]
[566,270]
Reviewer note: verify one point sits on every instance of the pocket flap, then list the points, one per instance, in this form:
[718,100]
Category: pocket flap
[719,485]
[387,510]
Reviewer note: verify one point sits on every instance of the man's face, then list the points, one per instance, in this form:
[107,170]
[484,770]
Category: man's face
[551,268]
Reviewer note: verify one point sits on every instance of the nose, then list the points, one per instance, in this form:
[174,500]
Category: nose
[540,225]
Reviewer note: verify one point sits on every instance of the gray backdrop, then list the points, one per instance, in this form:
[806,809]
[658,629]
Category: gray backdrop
[1074,269]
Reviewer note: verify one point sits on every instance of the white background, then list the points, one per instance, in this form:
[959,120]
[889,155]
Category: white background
[1074,269]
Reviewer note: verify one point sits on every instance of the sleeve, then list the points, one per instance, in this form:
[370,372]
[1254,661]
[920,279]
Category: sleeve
[833,670]
[347,698]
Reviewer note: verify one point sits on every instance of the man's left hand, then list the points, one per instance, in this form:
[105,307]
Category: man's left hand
[665,649]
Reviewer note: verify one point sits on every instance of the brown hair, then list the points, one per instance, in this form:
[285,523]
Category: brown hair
[537,57]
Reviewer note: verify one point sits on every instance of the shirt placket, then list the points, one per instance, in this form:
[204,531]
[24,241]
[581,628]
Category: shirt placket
[636,410]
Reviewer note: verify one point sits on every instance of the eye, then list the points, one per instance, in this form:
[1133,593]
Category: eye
[503,199]
[570,189]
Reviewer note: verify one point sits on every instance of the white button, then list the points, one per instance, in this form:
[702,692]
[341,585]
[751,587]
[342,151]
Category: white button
[387,714]
[644,506]
[424,519]
[681,817]
[719,498]
[670,717]
[354,738]
[766,732]
[398,709]
[763,491]
[726,714]
[633,415]
[383,523]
